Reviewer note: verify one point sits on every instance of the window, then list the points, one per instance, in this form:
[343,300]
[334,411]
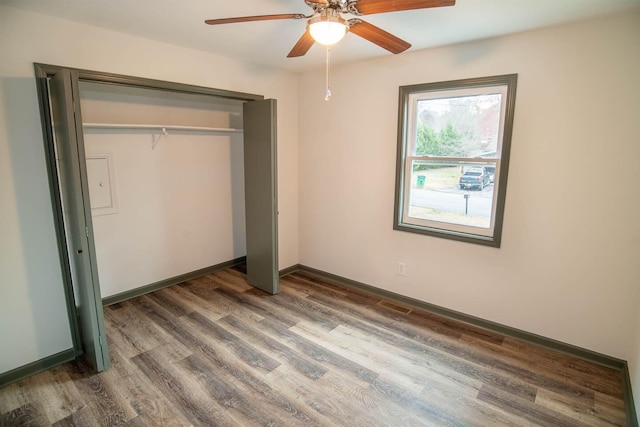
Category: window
[453,155]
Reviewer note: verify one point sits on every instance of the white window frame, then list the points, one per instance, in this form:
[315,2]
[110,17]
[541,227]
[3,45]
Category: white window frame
[407,130]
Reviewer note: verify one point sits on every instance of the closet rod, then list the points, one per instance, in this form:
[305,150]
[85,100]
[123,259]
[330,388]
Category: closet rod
[158,127]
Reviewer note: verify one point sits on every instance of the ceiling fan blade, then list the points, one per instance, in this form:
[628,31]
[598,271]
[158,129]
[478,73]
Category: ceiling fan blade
[303,45]
[378,36]
[254,18]
[369,7]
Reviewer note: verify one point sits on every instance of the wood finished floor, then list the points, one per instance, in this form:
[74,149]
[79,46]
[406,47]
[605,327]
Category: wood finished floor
[215,352]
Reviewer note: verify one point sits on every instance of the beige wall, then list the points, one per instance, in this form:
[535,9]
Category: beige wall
[33,321]
[568,267]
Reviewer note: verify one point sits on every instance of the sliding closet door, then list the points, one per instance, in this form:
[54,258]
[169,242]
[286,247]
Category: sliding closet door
[261,197]
[67,126]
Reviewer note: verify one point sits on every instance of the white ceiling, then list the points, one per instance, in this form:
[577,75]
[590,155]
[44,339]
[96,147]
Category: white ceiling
[181,22]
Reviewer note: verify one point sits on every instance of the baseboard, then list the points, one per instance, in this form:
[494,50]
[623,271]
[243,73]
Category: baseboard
[123,296]
[629,403]
[35,367]
[289,270]
[581,353]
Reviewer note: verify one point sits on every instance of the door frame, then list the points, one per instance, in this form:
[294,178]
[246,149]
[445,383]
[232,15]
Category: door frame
[67,122]
[42,73]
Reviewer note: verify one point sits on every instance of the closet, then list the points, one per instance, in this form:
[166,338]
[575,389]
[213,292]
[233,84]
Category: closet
[152,183]
[166,183]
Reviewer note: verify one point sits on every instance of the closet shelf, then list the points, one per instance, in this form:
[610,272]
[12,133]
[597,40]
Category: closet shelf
[159,127]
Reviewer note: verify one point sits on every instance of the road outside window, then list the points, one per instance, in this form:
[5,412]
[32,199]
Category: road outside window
[453,148]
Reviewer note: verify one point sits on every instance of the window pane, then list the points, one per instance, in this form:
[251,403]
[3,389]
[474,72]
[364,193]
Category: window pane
[463,126]
[453,192]
[454,139]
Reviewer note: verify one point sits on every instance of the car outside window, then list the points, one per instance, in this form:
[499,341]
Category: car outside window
[454,140]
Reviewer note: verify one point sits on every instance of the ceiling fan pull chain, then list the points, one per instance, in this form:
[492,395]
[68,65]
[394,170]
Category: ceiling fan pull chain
[328,92]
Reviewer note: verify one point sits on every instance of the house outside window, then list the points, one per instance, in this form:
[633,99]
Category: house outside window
[454,140]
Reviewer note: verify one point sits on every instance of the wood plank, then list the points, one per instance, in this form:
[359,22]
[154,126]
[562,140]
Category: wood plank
[231,279]
[587,414]
[14,396]
[526,409]
[539,353]
[220,305]
[214,351]
[245,407]
[132,335]
[548,369]
[175,306]
[140,392]
[452,361]
[414,373]
[303,365]
[223,361]
[101,396]
[260,303]
[240,348]
[82,417]
[319,353]
[420,407]
[418,317]
[458,355]
[193,302]
[368,308]
[183,392]
[56,394]
[30,414]
[342,401]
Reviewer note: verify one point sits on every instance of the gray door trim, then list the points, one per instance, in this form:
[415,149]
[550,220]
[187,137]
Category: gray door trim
[56,205]
[67,122]
[42,73]
[141,82]
[261,193]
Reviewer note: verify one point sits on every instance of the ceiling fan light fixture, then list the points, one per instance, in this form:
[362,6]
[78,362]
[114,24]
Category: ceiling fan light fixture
[327,30]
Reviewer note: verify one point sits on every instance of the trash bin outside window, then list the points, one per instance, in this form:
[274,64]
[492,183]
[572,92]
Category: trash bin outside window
[421,180]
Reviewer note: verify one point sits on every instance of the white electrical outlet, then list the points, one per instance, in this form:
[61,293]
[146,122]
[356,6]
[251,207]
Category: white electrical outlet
[402,268]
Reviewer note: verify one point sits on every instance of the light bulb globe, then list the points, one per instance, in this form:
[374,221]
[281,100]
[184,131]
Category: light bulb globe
[327,30]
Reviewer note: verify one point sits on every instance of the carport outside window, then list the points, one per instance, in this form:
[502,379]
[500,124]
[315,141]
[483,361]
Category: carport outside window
[454,140]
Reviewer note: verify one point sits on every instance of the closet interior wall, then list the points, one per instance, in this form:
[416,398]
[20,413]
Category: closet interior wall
[164,203]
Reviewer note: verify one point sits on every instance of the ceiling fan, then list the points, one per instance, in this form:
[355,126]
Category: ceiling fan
[326,25]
